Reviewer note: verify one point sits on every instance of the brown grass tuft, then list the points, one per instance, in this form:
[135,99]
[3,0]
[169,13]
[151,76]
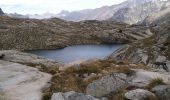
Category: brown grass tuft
[155,82]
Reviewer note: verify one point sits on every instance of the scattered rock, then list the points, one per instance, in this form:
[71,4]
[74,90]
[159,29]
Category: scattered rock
[139,94]
[72,96]
[162,92]
[107,84]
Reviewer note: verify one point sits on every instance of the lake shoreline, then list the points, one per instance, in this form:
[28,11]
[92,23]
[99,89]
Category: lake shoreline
[78,52]
[64,46]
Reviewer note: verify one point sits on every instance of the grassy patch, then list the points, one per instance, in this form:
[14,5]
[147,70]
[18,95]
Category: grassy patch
[77,78]
[47,96]
[125,70]
[52,70]
[151,98]
[83,69]
[155,82]
[119,95]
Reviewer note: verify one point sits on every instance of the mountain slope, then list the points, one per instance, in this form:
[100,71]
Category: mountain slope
[130,11]
[149,50]
[102,13]
[158,18]
[29,34]
[135,13]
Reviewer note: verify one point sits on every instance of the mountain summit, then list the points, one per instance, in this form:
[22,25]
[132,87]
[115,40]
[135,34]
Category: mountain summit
[130,11]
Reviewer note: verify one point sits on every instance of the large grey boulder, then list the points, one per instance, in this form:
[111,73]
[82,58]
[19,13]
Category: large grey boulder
[162,92]
[20,82]
[143,77]
[107,84]
[139,94]
[72,96]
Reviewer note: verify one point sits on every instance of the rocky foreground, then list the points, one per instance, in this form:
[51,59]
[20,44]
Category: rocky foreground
[20,82]
[92,80]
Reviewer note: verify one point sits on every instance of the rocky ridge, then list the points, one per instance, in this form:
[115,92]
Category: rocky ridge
[33,34]
[130,11]
[149,50]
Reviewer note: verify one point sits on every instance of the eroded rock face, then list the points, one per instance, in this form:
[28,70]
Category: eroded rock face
[20,82]
[162,92]
[107,84]
[139,94]
[72,96]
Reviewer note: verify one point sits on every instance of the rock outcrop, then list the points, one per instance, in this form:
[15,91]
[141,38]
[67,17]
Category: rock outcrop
[72,96]
[29,59]
[20,82]
[162,92]
[149,50]
[139,94]
[142,78]
[113,83]
[107,84]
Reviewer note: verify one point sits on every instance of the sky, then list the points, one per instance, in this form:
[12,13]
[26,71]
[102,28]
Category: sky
[52,6]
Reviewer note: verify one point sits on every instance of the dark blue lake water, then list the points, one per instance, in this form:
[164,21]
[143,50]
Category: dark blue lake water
[78,52]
